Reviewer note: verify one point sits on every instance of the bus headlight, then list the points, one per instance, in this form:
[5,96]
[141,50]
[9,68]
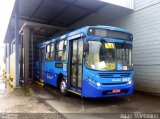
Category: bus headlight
[98,84]
[93,82]
[88,79]
[130,82]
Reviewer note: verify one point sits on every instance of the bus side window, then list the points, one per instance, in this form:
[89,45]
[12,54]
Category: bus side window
[61,50]
[48,51]
[52,54]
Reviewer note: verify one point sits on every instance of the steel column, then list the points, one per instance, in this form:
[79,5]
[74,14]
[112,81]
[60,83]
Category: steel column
[26,39]
[17,42]
[5,55]
[7,60]
[9,53]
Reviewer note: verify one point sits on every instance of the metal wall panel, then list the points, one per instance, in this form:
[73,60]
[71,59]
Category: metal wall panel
[144,23]
[103,16]
[141,4]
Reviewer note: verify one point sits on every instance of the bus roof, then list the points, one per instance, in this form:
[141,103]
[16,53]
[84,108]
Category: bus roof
[84,30]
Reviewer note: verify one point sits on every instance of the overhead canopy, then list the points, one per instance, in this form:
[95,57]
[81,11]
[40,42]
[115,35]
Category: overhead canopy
[57,12]
[62,13]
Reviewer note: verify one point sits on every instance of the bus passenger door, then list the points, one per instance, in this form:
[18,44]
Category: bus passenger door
[75,64]
[42,58]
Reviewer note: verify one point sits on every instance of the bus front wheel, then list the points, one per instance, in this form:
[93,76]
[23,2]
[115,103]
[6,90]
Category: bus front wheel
[63,87]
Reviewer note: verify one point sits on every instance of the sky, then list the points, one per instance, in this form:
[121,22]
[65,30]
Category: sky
[123,3]
[6,7]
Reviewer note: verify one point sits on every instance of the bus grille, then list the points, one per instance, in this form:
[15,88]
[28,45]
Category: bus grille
[113,75]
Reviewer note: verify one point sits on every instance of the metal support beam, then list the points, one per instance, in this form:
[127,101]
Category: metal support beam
[32,54]
[42,21]
[8,59]
[16,43]
[35,24]
[9,48]
[26,39]
[5,55]
[9,53]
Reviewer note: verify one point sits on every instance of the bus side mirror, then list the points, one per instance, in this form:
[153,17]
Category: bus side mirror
[64,47]
[103,42]
[86,47]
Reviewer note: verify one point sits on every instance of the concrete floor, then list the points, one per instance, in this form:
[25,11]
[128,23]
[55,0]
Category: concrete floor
[17,105]
[72,105]
[49,101]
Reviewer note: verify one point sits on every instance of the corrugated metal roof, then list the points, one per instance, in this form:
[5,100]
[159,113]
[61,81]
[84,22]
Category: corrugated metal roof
[57,12]
[62,13]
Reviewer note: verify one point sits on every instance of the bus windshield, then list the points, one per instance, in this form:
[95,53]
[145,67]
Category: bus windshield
[108,56]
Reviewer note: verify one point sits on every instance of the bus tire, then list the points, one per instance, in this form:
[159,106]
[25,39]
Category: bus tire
[63,86]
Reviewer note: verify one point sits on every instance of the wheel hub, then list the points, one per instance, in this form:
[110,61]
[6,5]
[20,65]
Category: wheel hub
[63,86]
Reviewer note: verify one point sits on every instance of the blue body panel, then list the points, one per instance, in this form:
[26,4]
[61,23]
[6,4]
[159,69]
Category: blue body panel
[51,72]
[49,75]
[107,84]
[89,90]
[83,30]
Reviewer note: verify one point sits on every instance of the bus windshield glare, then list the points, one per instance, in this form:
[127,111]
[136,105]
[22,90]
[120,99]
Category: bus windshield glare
[108,56]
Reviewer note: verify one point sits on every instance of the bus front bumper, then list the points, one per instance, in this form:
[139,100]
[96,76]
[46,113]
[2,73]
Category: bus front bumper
[92,91]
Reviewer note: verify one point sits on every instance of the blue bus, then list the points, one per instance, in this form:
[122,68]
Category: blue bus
[93,61]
